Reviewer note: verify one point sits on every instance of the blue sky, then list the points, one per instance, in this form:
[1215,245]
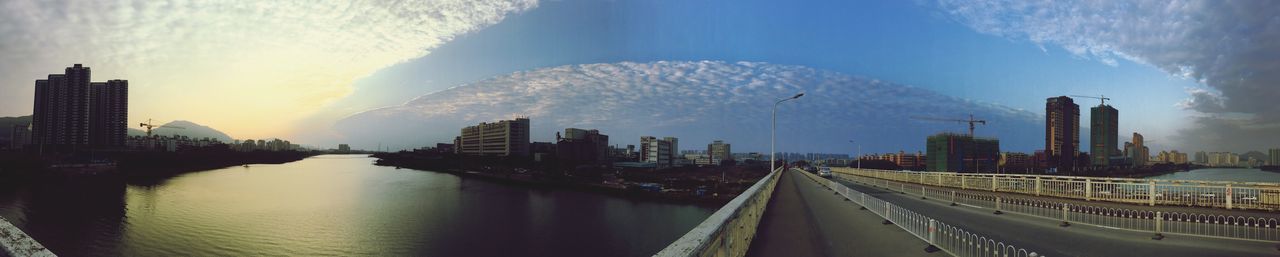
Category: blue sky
[896,41]
[1189,75]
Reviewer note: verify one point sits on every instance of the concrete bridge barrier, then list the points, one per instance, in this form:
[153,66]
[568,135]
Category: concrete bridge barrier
[729,231]
[15,243]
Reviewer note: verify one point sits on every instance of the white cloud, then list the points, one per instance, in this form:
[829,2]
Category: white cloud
[1227,45]
[696,101]
[239,65]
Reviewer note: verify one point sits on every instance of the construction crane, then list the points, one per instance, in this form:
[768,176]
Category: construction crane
[149,125]
[1099,97]
[971,121]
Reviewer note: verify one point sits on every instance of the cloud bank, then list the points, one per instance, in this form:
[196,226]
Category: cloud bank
[245,66]
[697,102]
[1229,46]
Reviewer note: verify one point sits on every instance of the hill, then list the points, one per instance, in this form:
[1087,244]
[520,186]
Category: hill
[190,129]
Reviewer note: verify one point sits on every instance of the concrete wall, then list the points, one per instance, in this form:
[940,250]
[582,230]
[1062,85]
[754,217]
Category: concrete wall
[13,242]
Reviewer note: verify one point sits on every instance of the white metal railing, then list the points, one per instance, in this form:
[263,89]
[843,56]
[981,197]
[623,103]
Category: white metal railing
[1158,222]
[1201,193]
[728,231]
[948,238]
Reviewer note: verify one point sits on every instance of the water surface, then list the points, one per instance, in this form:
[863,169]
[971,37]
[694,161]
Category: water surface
[337,205]
[1238,175]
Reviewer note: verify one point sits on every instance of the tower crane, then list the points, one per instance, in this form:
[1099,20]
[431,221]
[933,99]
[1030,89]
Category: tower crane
[971,121]
[149,125]
[1099,97]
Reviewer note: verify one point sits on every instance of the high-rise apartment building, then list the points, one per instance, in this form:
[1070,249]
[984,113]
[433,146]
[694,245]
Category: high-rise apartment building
[108,113]
[1062,133]
[1103,134]
[1139,152]
[502,138]
[72,113]
[1274,156]
[949,152]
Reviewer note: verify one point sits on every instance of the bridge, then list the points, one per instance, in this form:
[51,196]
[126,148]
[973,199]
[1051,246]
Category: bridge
[864,212]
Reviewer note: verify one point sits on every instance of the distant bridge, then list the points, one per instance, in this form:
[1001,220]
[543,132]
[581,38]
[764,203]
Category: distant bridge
[795,213]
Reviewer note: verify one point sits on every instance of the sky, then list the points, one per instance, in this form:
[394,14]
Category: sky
[1188,75]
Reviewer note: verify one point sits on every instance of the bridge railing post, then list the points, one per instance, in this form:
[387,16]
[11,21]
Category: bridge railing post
[1064,215]
[1088,189]
[933,231]
[1159,219]
[998,211]
[1229,196]
[1037,185]
[1151,193]
[993,183]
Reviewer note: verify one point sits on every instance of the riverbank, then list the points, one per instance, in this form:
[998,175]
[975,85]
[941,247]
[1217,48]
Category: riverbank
[699,185]
[160,165]
[145,165]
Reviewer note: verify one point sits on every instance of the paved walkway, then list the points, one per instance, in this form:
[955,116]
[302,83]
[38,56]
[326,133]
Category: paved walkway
[1047,238]
[805,219]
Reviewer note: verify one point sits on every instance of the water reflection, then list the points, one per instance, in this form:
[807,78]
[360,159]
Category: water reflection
[80,218]
[337,205]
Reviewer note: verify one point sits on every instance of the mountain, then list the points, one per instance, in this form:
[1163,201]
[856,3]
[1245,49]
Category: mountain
[1256,155]
[696,102]
[189,129]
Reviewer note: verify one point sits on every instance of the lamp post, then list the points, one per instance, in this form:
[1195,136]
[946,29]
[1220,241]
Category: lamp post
[858,155]
[773,131]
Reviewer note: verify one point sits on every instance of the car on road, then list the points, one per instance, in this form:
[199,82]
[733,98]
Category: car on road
[824,172]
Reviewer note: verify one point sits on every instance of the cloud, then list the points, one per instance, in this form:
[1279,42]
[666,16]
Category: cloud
[1228,46]
[241,65]
[697,102]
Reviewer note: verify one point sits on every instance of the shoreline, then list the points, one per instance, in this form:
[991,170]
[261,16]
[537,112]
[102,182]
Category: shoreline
[530,181]
[155,167]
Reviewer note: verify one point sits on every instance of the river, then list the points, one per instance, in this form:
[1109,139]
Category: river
[1238,175]
[337,205]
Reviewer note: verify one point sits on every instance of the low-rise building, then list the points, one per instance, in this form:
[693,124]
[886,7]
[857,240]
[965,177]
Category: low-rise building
[502,138]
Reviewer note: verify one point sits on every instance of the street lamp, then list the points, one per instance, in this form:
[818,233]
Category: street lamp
[773,131]
[858,155]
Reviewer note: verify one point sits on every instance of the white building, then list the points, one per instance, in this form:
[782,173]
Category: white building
[659,151]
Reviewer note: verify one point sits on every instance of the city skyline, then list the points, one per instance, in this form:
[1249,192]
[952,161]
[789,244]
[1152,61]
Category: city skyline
[1172,95]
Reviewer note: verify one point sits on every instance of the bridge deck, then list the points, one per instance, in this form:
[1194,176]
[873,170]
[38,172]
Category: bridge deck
[804,219]
[1047,238]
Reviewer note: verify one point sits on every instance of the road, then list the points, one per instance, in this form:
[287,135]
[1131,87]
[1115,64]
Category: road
[1047,238]
[805,219]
